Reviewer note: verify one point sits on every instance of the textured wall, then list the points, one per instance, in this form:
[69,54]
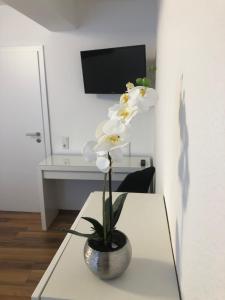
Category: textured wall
[190,147]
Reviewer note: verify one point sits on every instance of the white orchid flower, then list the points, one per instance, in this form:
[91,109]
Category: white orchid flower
[108,127]
[114,128]
[102,161]
[142,97]
[122,112]
[114,139]
[124,98]
[112,135]
[129,86]
[91,155]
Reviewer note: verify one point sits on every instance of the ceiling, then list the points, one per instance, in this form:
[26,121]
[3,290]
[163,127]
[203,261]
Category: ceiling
[55,15]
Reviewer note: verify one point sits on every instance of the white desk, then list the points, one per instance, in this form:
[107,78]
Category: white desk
[76,168]
[151,274]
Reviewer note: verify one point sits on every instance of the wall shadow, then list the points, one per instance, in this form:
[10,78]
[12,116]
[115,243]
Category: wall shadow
[183,167]
[184,179]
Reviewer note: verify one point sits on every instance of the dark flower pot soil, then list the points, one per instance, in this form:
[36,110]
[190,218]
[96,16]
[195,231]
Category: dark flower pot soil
[118,241]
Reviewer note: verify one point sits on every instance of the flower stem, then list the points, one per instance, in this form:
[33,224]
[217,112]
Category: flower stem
[104,211]
[110,195]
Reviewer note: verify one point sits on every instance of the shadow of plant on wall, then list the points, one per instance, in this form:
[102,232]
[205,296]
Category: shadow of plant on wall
[184,178]
[183,167]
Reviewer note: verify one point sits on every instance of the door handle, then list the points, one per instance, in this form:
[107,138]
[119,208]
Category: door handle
[33,134]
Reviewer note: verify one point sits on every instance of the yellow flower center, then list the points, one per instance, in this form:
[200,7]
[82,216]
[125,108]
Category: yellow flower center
[124,98]
[114,139]
[129,85]
[142,92]
[123,113]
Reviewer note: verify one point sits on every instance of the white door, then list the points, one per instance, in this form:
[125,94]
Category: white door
[24,128]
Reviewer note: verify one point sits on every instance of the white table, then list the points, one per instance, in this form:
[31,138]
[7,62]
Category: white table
[76,168]
[151,274]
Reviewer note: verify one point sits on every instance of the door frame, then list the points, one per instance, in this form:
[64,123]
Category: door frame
[43,92]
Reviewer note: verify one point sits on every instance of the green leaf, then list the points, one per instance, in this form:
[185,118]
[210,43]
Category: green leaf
[87,235]
[143,82]
[117,207]
[97,226]
[139,81]
[96,237]
[146,82]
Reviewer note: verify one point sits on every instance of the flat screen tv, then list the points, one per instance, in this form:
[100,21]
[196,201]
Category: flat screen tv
[106,71]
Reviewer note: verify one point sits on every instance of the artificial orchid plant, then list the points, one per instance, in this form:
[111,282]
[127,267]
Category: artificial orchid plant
[111,136]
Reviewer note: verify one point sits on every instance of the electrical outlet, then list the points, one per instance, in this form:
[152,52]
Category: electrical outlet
[65,143]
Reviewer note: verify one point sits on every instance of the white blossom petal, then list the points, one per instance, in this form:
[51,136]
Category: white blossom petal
[99,131]
[129,85]
[123,112]
[103,164]
[112,111]
[109,142]
[102,153]
[124,98]
[89,152]
[113,126]
[116,154]
[142,97]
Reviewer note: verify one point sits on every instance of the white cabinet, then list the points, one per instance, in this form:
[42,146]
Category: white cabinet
[151,274]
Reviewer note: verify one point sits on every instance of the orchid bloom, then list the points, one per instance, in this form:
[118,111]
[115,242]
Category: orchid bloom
[142,97]
[111,137]
[122,112]
[129,85]
[124,98]
[113,134]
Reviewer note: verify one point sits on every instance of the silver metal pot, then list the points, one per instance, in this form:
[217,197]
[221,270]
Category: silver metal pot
[108,265]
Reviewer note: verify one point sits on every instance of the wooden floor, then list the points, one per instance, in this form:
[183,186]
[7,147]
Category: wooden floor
[26,251]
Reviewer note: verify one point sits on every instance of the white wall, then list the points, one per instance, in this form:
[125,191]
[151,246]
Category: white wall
[190,147]
[72,112]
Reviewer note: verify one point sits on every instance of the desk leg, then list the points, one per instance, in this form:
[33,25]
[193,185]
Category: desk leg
[48,203]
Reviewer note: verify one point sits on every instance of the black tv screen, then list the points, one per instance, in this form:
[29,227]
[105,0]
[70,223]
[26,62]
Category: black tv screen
[106,71]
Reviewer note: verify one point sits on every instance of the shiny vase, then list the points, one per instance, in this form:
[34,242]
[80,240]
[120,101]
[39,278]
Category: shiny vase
[110,264]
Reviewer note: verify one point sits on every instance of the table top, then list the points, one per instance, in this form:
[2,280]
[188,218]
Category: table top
[151,274]
[78,163]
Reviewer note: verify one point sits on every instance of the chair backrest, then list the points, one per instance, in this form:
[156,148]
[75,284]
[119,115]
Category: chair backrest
[137,182]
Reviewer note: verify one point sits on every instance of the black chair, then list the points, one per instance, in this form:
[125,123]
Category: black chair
[137,182]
